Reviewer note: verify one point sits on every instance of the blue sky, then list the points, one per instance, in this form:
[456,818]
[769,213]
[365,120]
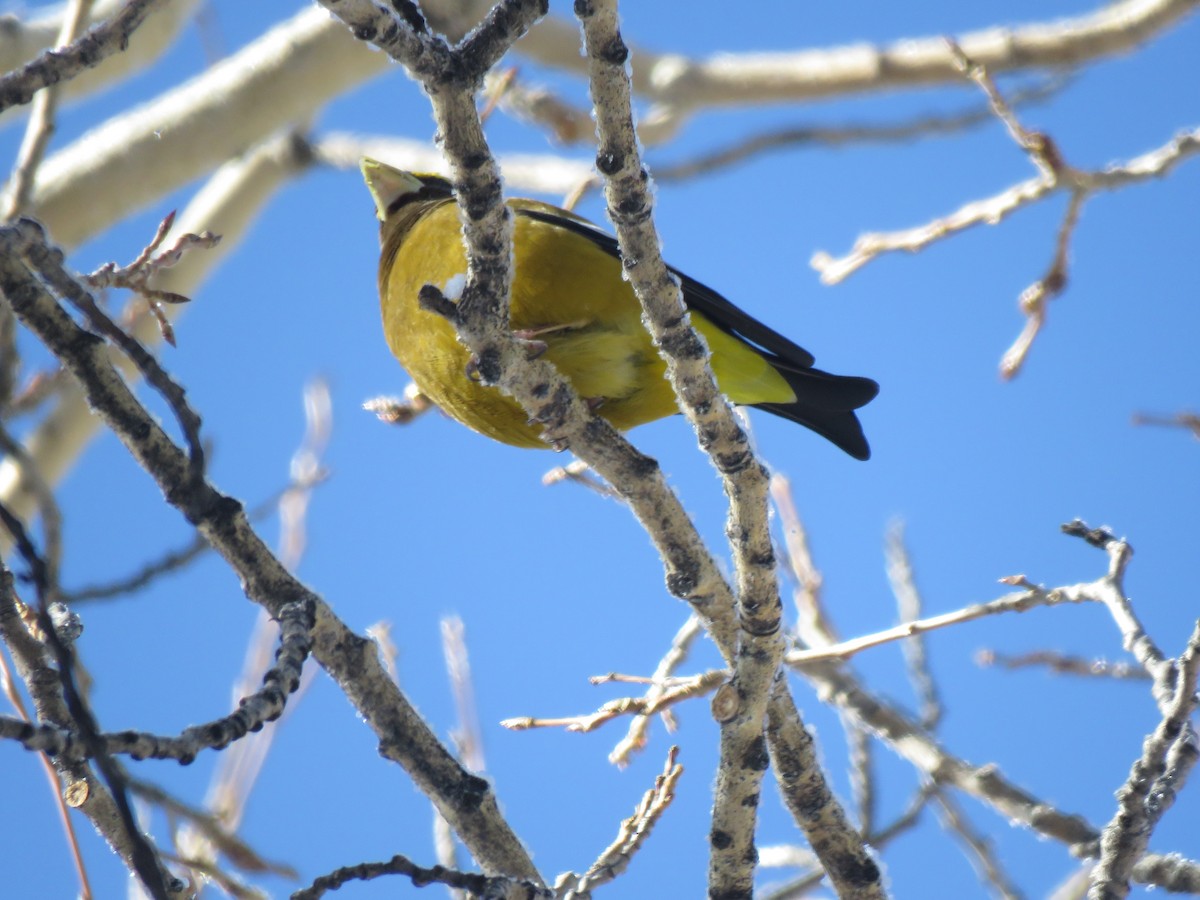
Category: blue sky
[556,584]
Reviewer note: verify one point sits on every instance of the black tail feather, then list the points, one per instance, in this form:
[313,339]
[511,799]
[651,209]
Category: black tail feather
[825,403]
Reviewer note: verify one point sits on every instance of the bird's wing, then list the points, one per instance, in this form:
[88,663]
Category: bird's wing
[697,296]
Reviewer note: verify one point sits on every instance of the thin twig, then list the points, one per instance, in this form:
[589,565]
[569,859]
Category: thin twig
[254,711]
[1034,298]
[630,836]
[48,510]
[579,472]
[908,600]
[142,856]
[136,276]
[467,801]
[238,771]
[1190,421]
[1054,175]
[656,701]
[1019,602]
[635,736]
[814,626]
[468,737]
[14,697]
[977,847]
[842,135]
[174,560]
[475,884]
[232,847]
[29,239]
[861,759]
[1110,590]
[1062,664]
[400,410]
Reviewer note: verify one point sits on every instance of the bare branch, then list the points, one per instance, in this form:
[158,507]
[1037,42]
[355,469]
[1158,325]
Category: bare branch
[9,687]
[1020,602]
[743,750]
[81,788]
[1168,756]
[176,559]
[990,211]
[253,711]
[118,825]
[656,701]
[477,885]
[630,837]
[465,799]
[850,867]
[1190,421]
[41,121]
[916,61]
[213,829]
[913,129]
[978,848]
[27,39]
[579,472]
[1110,590]
[27,239]
[635,737]
[228,203]
[55,66]
[908,599]
[1034,298]
[1062,664]
[813,624]
[804,885]
[1054,175]
[47,506]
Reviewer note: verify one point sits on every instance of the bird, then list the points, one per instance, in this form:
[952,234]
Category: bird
[569,295]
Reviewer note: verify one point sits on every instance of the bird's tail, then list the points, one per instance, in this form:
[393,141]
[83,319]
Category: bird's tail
[826,403]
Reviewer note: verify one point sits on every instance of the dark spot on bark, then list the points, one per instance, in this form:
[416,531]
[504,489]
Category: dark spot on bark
[488,366]
[681,582]
[860,870]
[645,466]
[609,161]
[631,207]
[615,52]
[411,16]
[756,758]
[473,161]
[471,792]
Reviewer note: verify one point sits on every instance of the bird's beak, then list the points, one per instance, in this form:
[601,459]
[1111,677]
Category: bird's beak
[387,184]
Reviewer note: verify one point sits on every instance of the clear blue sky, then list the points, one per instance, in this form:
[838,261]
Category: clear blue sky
[556,584]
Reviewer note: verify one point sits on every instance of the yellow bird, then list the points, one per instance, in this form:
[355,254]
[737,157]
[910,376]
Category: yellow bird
[568,292]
